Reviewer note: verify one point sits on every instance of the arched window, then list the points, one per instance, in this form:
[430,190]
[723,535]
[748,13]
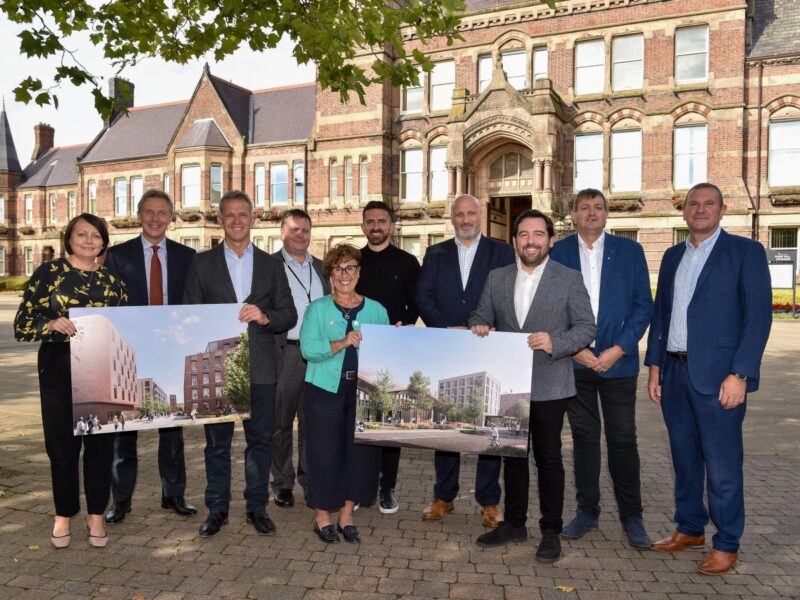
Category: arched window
[511,167]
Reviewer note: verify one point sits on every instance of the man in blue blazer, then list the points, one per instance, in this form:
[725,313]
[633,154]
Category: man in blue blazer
[448,290]
[614,271]
[711,322]
[133,262]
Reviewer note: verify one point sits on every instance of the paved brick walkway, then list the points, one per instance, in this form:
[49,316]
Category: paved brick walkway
[155,554]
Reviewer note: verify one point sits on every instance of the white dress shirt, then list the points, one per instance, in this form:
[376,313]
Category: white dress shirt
[466,254]
[162,256]
[240,269]
[592,269]
[525,289]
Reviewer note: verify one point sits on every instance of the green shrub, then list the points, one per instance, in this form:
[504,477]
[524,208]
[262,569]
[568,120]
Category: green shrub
[13,284]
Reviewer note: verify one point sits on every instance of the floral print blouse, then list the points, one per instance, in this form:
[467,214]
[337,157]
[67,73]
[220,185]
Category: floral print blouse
[54,288]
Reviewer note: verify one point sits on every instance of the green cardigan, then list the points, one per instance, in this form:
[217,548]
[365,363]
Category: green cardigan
[323,323]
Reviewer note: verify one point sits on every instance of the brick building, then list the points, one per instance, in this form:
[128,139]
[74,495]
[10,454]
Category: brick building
[641,98]
[204,377]
[103,370]
[149,387]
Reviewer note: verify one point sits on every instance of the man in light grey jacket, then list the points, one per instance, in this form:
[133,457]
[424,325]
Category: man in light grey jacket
[550,302]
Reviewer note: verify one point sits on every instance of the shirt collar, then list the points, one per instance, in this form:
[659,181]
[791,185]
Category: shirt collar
[536,272]
[599,243]
[231,253]
[288,258]
[706,243]
[472,246]
[148,244]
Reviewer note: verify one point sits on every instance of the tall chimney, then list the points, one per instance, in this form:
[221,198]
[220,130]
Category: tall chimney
[43,135]
[121,92]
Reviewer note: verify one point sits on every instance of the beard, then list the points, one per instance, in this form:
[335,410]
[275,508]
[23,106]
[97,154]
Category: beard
[377,237]
[535,261]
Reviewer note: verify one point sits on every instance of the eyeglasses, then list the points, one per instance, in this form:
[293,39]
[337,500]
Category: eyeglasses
[349,269]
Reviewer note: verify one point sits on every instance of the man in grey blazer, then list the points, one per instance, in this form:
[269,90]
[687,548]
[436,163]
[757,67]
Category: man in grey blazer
[307,282]
[235,271]
[549,301]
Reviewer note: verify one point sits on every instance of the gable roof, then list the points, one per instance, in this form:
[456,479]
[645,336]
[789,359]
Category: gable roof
[774,28]
[144,131]
[56,167]
[204,132]
[283,114]
[237,101]
[8,151]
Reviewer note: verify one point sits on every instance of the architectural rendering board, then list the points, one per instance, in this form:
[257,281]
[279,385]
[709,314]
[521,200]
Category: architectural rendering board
[148,367]
[445,389]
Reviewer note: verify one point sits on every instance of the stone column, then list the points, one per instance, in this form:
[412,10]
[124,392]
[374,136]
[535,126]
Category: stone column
[548,174]
[537,174]
[459,181]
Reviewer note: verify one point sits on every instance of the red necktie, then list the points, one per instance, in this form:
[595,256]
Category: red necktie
[156,282]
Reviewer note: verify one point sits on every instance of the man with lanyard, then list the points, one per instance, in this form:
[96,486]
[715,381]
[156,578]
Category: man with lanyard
[307,283]
[388,275]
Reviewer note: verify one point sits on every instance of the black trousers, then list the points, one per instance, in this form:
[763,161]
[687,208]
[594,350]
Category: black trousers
[618,403]
[390,463]
[171,464]
[338,468]
[547,420]
[63,447]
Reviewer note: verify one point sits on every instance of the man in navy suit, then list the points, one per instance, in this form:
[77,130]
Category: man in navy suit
[711,322]
[133,261]
[615,274]
[449,288]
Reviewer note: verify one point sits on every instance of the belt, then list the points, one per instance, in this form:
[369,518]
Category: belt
[293,342]
[681,356]
[349,375]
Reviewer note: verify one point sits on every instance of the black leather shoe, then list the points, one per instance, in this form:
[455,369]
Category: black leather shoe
[179,505]
[327,533]
[116,514]
[284,498]
[213,523]
[503,534]
[261,521]
[350,533]
[549,550]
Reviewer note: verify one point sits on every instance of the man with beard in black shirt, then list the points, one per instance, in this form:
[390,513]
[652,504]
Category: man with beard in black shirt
[389,276]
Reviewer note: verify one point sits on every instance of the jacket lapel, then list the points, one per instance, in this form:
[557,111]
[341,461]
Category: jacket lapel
[719,248]
[452,260]
[140,270]
[223,275]
[479,263]
[508,284]
[608,268]
[548,281]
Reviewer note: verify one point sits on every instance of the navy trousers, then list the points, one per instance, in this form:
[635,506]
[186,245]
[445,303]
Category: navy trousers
[171,464]
[706,444]
[257,454]
[487,476]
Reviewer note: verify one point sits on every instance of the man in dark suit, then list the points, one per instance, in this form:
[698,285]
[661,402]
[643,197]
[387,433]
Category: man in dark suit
[154,269]
[547,300]
[614,271]
[307,282]
[388,275]
[448,290]
[235,271]
[711,322]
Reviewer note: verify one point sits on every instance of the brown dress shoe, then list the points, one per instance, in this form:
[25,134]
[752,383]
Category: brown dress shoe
[437,510]
[717,562]
[679,541]
[491,516]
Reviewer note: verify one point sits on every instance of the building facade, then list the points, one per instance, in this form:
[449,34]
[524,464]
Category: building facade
[204,377]
[639,98]
[149,387]
[460,390]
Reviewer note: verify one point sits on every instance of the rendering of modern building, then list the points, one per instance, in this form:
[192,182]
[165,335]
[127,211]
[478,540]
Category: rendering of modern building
[103,370]
[461,389]
[510,400]
[148,387]
[639,98]
[204,376]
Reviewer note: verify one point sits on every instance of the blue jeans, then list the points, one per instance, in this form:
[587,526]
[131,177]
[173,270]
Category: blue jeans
[257,454]
[706,443]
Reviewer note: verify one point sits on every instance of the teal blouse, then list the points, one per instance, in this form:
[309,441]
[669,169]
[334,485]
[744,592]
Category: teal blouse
[323,323]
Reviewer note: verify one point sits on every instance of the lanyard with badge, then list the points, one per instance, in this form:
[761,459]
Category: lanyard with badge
[310,278]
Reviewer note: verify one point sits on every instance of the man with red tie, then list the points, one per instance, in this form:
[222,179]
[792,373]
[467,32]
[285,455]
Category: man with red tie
[154,269]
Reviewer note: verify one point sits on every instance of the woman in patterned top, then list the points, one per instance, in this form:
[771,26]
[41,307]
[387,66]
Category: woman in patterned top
[54,288]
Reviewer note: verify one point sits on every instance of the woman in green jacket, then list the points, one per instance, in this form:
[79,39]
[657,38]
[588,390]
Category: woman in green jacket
[341,473]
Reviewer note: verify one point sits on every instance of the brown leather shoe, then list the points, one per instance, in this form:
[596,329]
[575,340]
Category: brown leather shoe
[437,510]
[717,562]
[679,541]
[491,516]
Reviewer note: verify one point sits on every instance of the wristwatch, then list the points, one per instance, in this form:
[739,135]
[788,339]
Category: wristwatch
[739,376]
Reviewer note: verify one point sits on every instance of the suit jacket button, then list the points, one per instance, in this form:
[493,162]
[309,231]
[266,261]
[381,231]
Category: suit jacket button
[463,302]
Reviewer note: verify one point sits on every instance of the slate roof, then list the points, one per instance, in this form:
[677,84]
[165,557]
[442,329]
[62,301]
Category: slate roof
[283,114]
[8,151]
[237,101]
[204,132]
[145,131]
[58,166]
[775,25]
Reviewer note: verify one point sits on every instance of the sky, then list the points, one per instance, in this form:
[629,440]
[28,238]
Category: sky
[445,353]
[163,336]
[77,122]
